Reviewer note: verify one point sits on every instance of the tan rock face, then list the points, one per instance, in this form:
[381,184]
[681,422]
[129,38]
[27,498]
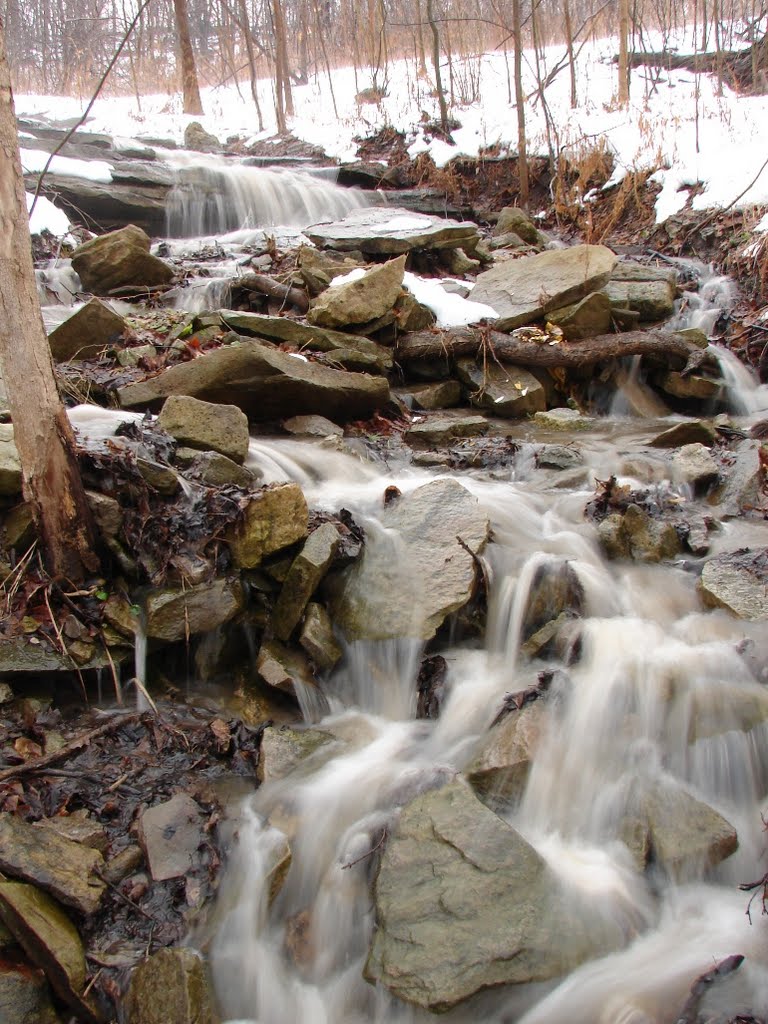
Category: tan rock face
[207,426]
[274,519]
[119,259]
[86,333]
[362,300]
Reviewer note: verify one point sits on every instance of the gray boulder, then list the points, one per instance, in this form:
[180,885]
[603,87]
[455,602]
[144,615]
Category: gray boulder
[317,638]
[587,318]
[742,487]
[205,425]
[390,231]
[87,332]
[171,834]
[307,570]
[119,259]
[174,612]
[523,290]
[283,750]
[636,535]
[506,391]
[362,300]
[463,903]
[691,386]
[513,219]
[737,581]
[499,771]
[685,432]
[444,394]
[445,427]
[408,589]
[693,464]
[197,138]
[266,384]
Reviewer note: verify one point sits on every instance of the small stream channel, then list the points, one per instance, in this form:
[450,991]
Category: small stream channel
[654,698]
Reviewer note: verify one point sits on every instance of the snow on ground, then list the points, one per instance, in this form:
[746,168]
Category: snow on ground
[46,217]
[675,120]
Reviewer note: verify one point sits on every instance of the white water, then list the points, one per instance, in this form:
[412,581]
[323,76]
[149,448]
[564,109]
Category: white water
[659,696]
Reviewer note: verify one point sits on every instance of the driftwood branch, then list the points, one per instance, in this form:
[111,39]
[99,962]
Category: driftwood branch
[74,746]
[690,1012]
[468,341]
[265,285]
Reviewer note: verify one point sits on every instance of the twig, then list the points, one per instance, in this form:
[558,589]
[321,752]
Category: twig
[128,900]
[116,722]
[91,102]
[720,211]
[690,1013]
[370,853]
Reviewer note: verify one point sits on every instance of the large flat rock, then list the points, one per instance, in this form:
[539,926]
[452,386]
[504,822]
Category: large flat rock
[389,231]
[266,384]
[523,290]
[464,903]
[737,581]
[416,571]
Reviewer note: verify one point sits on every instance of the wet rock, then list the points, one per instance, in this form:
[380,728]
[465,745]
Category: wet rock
[318,268]
[700,389]
[119,259]
[10,466]
[652,300]
[631,270]
[135,355]
[203,425]
[266,384]
[78,826]
[389,231]
[284,749]
[171,834]
[50,940]
[637,535]
[62,868]
[456,262]
[171,987]
[585,319]
[214,469]
[366,298]
[411,314]
[317,637]
[289,671]
[19,530]
[737,581]
[512,218]
[124,863]
[742,489]
[507,240]
[307,570]
[342,346]
[443,394]
[554,590]
[24,995]
[693,464]
[463,903]
[504,390]
[686,432]
[408,589]
[312,426]
[670,828]
[274,518]
[107,513]
[197,138]
[444,428]
[523,290]
[558,456]
[172,613]
[499,772]
[86,333]
[160,478]
[563,419]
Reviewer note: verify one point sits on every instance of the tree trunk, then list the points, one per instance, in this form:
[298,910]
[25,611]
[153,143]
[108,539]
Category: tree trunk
[436,63]
[522,155]
[623,52]
[192,102]
[43,435]
[569,45]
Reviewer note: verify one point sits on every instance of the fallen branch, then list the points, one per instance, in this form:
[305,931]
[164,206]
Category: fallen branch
[690,1012]
[269,286]
[468,341]
[73,747]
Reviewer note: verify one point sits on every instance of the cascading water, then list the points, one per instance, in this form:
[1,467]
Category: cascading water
[662,698]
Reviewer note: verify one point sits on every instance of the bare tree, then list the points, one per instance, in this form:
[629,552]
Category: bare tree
[190,88]
[623,52]
[43,435]
[522,154]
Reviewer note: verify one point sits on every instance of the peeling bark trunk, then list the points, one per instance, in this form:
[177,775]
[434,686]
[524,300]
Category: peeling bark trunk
[192,102]
[43,435]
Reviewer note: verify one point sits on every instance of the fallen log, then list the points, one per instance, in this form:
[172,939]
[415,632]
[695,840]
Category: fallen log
[265,285]
[742,69]
[470,341]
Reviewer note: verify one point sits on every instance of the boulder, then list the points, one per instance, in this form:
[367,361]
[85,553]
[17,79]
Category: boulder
[504,390]
[62,868]
[513,219]
[463,903]
[86,333]
[367,297]
[563,419]
[307,570]
[444,394]
[377,358]
[50,940]
[171,987]
[632,270]
[274,518]
[24,995]
[670,828]
[172,613]
[584,319]
[499,772]
[742,488]
[78,826]
[284,749]
[408,586]
[523,290]
[691,386]
[651,300]
[197,138]
[737,581]
[266,384]
[390,231]
[636,535]
[318,268]
[170,835]
[555,589]
[289,671]
[117,260]
[208,426]
[317,638]
[685,432]
[214,469]
[444,428]
[312,426]
[693,464]
[10,464]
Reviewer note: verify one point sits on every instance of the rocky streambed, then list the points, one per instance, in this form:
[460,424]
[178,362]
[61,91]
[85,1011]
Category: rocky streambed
[433,612]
